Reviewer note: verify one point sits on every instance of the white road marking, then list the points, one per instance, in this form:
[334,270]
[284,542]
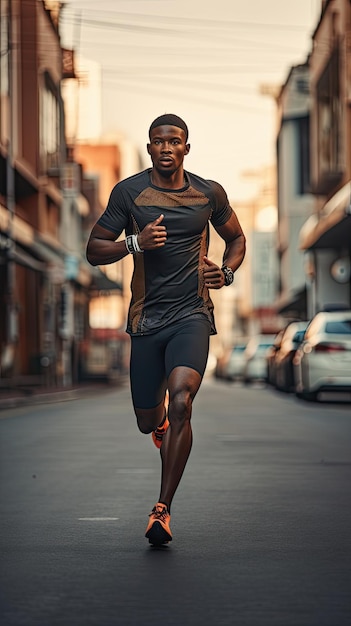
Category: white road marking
[98,519]
[135,470]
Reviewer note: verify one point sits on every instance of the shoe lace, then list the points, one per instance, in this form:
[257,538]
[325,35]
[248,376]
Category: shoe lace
[160,512]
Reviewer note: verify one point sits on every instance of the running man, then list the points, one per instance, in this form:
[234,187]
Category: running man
[165,213]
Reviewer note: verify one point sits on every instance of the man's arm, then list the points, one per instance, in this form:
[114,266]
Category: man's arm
[234,237]
[103,249]
[231,232]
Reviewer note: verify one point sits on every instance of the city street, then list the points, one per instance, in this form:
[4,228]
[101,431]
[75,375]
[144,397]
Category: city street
[261,521]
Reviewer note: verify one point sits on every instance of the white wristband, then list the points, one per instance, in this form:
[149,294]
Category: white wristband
[137,248]
[132,244]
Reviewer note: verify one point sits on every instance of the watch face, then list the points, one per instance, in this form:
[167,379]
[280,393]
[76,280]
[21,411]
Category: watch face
[228,275]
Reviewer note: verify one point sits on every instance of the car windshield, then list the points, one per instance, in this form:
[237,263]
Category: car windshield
[263,346]
[298,337]
[341,327]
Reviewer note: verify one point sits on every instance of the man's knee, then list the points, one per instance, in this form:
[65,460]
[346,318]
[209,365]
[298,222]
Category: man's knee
[180,406]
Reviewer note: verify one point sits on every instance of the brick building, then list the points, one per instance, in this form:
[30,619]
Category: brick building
[44,277]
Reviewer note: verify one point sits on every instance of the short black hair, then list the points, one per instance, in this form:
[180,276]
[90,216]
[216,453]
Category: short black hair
[169,119]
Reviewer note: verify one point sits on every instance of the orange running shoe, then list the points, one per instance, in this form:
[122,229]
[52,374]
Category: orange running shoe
[158,531]
[157,435]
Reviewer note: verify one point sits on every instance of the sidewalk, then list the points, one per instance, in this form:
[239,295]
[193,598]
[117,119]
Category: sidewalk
[13,398]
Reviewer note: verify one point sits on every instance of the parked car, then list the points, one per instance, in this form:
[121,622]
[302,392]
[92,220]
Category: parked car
[292,337]
[323,360]
[255,367]
[221,365]
[235,364]
[270,357]
[230,364]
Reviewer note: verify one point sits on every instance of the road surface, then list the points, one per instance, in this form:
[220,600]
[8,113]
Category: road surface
[261,520]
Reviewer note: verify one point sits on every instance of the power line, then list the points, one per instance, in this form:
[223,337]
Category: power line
[147,30]
[196,84]
[205,100]
[197,22]
[186,69]
[232,44]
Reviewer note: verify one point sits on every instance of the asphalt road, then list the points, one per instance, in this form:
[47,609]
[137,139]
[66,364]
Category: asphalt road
[261,521]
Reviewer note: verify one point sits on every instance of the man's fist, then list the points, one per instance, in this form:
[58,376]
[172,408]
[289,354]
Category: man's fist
[154,235]
[213,275]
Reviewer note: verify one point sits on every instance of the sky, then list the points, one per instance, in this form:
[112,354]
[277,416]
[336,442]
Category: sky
[203,60]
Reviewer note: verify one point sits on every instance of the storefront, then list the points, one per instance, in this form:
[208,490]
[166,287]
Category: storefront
[326,240]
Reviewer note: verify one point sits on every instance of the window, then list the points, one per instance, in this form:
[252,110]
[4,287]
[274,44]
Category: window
[303,125]
[329,113]
[50,127]
[342,327]
[239,349]
[298,337]
[4,48]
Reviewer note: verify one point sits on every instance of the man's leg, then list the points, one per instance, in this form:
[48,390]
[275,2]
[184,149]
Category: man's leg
[183,384]
[149,419]
[185,358]
[148,381]
[175,358]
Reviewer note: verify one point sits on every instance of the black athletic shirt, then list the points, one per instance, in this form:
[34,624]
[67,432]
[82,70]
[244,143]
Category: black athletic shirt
[167,283]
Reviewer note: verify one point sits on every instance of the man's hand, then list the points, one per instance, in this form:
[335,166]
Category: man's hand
[213,275]
[153,235]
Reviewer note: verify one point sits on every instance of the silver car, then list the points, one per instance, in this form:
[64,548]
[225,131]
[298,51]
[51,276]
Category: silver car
[323,360]
[271,355]
[255,364]
[235,365]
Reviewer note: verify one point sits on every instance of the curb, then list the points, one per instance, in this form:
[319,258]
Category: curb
[63,395]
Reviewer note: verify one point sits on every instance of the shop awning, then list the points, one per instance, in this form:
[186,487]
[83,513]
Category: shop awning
[333,228]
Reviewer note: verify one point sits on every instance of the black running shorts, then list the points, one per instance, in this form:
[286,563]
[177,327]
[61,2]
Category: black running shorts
[153,357]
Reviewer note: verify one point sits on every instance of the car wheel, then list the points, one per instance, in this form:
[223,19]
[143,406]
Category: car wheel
[290,383]
[280,378]
[282,381]
[309,396]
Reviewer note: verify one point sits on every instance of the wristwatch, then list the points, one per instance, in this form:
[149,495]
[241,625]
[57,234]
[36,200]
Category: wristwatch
[228,275]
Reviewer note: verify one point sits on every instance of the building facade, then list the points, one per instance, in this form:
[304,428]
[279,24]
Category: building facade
[326,236]
[294,198]
[43,275]
[314,172]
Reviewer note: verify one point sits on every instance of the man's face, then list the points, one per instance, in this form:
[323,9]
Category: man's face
[167,149]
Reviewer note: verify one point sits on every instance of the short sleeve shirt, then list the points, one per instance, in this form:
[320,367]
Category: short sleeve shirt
[167,283]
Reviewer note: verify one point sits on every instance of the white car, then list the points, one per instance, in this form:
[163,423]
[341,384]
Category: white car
[323,360]
[255,355]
